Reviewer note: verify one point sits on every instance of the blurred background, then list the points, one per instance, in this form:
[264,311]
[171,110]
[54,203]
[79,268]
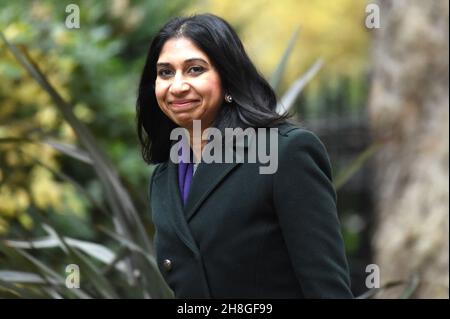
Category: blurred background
[369,78]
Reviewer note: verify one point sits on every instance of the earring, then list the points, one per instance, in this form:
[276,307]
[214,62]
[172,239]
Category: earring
[228,98]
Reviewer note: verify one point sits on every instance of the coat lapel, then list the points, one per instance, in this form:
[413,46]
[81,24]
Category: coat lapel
[176,212]
[209,175]
[205,180]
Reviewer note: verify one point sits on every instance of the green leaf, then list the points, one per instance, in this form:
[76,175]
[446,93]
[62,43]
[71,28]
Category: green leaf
[93,274]
[11,290]
[277,75]
[67,149]
[356,165]
[47,272]
[130,245]
[21,277]
[289,98]
[374,291]
[413,284]
[70,150]
[97,251]
[156,285]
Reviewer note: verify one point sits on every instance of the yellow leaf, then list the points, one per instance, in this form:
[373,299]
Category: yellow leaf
[26,221]
[45,191]
[14,29]
[3,226]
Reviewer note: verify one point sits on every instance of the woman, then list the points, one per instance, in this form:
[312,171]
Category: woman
[229,231]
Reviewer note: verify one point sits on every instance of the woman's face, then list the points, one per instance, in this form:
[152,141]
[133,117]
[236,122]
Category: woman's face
[187,85]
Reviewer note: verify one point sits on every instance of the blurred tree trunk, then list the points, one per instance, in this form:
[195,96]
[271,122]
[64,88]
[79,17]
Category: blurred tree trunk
[409,108]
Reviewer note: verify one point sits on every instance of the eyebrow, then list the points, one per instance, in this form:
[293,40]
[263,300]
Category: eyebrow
[185,61]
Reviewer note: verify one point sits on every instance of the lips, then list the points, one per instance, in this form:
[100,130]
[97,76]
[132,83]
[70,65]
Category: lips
[182,104]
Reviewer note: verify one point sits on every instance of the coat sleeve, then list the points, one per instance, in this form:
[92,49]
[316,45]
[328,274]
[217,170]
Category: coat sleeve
[305,202]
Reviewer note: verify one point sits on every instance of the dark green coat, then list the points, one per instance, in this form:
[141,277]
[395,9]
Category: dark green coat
[247,235]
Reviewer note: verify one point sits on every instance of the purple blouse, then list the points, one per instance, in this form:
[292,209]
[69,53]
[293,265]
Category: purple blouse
[185,171]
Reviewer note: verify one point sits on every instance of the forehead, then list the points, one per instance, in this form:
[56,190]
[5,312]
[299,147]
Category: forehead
[180,49]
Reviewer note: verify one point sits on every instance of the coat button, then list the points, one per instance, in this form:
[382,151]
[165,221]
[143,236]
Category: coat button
[167,264]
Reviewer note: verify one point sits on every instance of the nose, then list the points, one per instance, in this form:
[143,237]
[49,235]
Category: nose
[179,85]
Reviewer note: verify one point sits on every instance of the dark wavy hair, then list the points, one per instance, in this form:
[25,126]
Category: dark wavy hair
[254,101]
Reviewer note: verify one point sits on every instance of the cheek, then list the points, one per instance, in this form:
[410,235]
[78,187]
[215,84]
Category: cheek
[159,93]
[217,93]
[212,89]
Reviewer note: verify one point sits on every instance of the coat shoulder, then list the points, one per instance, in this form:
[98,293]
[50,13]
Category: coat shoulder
[293,134]
[299,145]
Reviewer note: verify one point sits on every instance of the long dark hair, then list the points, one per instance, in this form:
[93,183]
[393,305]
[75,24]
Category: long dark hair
[254,101]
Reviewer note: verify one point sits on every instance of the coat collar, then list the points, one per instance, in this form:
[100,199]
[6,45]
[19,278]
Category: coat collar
[205,180]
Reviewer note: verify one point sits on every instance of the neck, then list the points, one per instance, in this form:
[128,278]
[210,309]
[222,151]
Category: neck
[196,143]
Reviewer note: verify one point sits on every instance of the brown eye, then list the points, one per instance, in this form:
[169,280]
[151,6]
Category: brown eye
[164,73]
[196,69]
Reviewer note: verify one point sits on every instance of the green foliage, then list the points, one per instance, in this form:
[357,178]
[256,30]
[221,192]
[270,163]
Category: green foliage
[85,72]
[95,69]
[128,221]
[73,111]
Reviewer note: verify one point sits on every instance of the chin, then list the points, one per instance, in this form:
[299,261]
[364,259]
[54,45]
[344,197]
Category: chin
[184,121]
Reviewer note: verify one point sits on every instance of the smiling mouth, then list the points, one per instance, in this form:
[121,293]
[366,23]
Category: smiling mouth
[183,105]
